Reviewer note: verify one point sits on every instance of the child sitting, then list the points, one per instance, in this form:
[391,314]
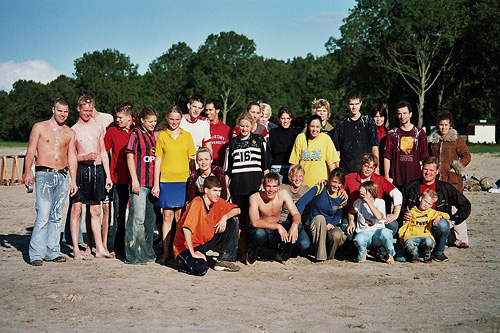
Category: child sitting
[370,229]
[416,233]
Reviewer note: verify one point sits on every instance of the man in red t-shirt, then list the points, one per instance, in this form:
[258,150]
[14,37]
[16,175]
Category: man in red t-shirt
[219,131]
[115,140]
[207,222]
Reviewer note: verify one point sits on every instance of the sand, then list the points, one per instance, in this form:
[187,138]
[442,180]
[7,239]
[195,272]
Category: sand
[462,294]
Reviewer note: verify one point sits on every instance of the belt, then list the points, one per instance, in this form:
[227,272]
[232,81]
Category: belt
[47,169]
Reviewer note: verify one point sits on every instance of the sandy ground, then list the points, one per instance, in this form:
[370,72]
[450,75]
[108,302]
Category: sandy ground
[462,294]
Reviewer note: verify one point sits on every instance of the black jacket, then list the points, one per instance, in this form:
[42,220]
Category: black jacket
[448,197]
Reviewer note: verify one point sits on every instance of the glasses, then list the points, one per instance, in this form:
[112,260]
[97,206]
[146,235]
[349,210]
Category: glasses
[370,167]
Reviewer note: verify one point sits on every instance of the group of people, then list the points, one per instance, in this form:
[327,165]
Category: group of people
[258,184]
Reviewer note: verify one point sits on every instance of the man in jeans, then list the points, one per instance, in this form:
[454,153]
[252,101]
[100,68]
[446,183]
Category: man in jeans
[207,222]
[448,197]
[54,143]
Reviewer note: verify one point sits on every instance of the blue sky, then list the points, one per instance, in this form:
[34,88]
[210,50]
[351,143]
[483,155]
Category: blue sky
[41,39]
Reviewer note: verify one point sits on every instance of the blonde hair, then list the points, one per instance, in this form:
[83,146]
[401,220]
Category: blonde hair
[85,99]
[266,110]
[294,168]
[318,103]
[433,195]
[245,116]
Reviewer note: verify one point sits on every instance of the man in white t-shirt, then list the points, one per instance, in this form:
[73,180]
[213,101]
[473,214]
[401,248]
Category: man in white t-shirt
[199,127]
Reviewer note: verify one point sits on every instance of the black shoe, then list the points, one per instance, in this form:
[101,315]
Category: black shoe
[440,257]
[37,262]
[58,259]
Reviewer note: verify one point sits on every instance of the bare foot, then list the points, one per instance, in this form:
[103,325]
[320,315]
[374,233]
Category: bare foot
[390,259]
[320,261]
[248,263]
[78,256]
[88,251]
[280,259]
[104,254]
[364,259]
[163,260]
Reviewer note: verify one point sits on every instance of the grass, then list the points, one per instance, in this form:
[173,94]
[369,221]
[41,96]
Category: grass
[13,144]
[478,149]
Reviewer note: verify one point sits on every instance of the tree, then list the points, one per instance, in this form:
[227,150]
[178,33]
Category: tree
[167,76]
[221,68]
[414,39]
[110,77]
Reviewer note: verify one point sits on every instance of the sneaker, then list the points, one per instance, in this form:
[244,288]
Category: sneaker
[58,259]
[440,257]
[463,245]
[227,266]
[37,262]
[415,261]
[428,261]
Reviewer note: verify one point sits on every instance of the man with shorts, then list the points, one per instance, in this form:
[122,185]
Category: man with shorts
[266,228]
[92,176]
[207,222]
[54,143]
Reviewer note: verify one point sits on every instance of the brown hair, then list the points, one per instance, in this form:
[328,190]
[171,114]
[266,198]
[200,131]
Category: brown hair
[445,115]
[369,157]
[371,187]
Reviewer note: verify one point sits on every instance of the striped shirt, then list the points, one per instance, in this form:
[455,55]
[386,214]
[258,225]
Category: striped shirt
[246,161]
[142,143]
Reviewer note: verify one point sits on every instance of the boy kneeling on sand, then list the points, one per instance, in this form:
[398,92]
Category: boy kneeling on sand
[416,234]
[207,222]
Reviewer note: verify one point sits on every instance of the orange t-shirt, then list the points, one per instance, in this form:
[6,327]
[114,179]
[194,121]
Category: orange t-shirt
[201,222]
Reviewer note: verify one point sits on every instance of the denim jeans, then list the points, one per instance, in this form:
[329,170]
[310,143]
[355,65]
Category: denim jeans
[441,233]
[139,231]
[374,239]
[120,200]
[420,246]
[51,191]
[258,237]
[282,171]
[229,247]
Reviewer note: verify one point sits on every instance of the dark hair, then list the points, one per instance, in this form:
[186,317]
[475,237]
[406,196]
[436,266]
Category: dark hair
[125,107]
[211,182]
[252,103]
[61,101]
[271,176]
[431,160]
[309,121]
[379,108]
[445,115]
[337,173]
[86,93]
[196,98]
[161,127]
[402,104]
[353,95]
[217,104]
[284,109]
[145,112]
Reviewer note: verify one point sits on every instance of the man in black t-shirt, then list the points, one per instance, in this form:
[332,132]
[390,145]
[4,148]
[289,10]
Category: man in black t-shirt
[355,135]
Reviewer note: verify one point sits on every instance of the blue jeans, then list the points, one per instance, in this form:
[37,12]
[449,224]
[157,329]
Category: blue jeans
[139,231]
[441,233]
[420,246]
[257,237]
[51,190]
[374,239]
[282,171]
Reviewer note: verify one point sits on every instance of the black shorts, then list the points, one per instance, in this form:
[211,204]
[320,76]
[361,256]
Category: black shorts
[91,182]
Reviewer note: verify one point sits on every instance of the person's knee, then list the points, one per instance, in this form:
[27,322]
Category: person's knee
[443,228]
[257,235]
[95,210]
[386,234]
[338,235]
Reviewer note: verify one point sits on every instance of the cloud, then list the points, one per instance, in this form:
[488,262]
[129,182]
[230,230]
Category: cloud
[36,70]
[326,19]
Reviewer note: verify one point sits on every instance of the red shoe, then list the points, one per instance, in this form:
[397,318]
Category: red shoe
[463,245]
[428,261]
[415,261]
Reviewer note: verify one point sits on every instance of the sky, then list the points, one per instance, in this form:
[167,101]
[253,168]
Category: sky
[40,40]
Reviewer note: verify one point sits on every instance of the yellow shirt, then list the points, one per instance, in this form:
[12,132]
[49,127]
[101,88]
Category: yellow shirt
[314,157]
[421,223]
[175,155]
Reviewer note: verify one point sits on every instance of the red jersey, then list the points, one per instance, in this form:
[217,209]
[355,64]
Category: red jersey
[219,134]
[142,144]
[424,187]
[353,181]
[115,140]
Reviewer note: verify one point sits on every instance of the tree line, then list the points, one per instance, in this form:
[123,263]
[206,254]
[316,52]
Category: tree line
[437,54]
